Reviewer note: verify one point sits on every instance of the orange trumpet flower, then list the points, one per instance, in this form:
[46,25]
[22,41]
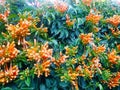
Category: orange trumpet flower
[86,38]
[93,18]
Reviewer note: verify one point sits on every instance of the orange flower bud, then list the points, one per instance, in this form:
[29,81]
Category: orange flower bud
[118,47]
[69,22]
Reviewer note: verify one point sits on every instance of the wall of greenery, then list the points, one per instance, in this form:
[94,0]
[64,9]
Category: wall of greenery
[59,45]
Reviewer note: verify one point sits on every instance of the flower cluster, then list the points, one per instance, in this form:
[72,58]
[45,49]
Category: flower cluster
[62,59]
[7,53]
[33,53]
[96,65]
[41,29]
[115,32]
[87,2]
[45,52]
[71,51]
[90,70]
[3,17]
[113,57]
[69,22]
[36,52]
[86,38]
[99,49]
[71,75]
[61,6]
[8,74]
[43,57]
[115,20]
[42,68]
[19,31]
[113,82]
[93,18]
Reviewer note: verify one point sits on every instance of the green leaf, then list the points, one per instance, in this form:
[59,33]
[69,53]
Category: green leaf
[53,16]
[54,88]
[83,83]
[12,16]
[81,21]
[62,35]
[63,84]
[27,89]
[6,88]
[66,33]
[42,87]
[100,87]
[27,81]
[48,83]
[49,21]
[51,83]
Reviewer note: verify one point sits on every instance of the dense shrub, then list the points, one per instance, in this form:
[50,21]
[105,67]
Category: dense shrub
[59,46]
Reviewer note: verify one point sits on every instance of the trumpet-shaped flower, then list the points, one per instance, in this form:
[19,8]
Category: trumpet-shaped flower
[19,31]
[8,74]
[38,53]
[61,6]
[7,53]
[93,18]
[99,49]
[115,20]
[42,68]
[4,16]
[69,22]
[87,2]
[113,57]
[113,82]
[86,38]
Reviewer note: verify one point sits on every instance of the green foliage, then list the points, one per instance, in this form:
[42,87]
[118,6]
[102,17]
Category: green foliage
[70,56]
